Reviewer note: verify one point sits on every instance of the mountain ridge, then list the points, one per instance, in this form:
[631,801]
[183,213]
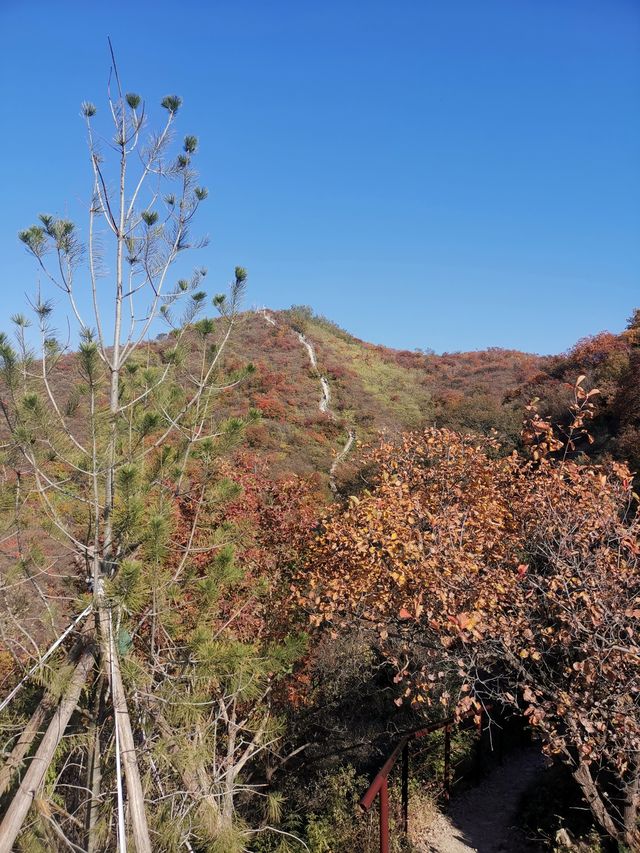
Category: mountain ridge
[322,391]
[317,386]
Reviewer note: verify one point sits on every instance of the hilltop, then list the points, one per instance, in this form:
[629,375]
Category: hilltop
[319,388]
[324,395]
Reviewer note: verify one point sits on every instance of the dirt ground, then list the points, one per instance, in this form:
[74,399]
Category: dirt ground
[482,819]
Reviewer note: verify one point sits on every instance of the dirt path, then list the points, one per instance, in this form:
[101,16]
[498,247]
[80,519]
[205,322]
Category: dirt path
[481,820]
[324,404]
[325,399]
[347,447]
[269,319]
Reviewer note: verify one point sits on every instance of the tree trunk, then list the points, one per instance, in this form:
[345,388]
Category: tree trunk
[583,777]
[632,797]
[94,770]
[23,744]
[19,807]
[33,728]
[229,775]
[135,795]
[94,778]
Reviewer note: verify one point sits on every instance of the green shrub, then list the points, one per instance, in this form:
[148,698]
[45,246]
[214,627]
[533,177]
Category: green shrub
[326,817]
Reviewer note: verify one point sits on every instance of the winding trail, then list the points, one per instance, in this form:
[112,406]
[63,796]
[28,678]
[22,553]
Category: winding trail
[482,819]
[269,319]
[324,405]
[351,437]
[325,398]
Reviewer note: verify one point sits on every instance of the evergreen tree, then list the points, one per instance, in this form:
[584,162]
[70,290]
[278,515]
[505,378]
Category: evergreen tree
[142,722]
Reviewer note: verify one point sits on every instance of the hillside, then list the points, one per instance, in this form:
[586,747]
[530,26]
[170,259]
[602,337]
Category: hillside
[374,389]
[324,395]
[610,363]
[226,559]
[371,389]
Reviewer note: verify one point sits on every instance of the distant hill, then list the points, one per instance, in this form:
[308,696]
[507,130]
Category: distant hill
[324,395]
[371,389]
[610,363]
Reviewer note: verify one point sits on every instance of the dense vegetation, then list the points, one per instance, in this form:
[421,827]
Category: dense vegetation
[489,578]
[239,646]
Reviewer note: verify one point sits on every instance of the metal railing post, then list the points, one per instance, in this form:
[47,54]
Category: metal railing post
[480,746]
[447,761]
[384,817]
[405,788]
[379,787]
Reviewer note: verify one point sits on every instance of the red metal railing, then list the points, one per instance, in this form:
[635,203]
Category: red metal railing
[380,785]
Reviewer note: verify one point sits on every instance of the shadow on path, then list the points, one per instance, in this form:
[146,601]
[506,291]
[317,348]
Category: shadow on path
[482,819]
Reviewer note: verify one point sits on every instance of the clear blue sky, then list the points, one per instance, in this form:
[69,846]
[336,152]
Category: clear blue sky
[453,174]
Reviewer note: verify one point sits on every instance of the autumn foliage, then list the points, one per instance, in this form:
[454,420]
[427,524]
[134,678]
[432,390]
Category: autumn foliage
[485,577]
